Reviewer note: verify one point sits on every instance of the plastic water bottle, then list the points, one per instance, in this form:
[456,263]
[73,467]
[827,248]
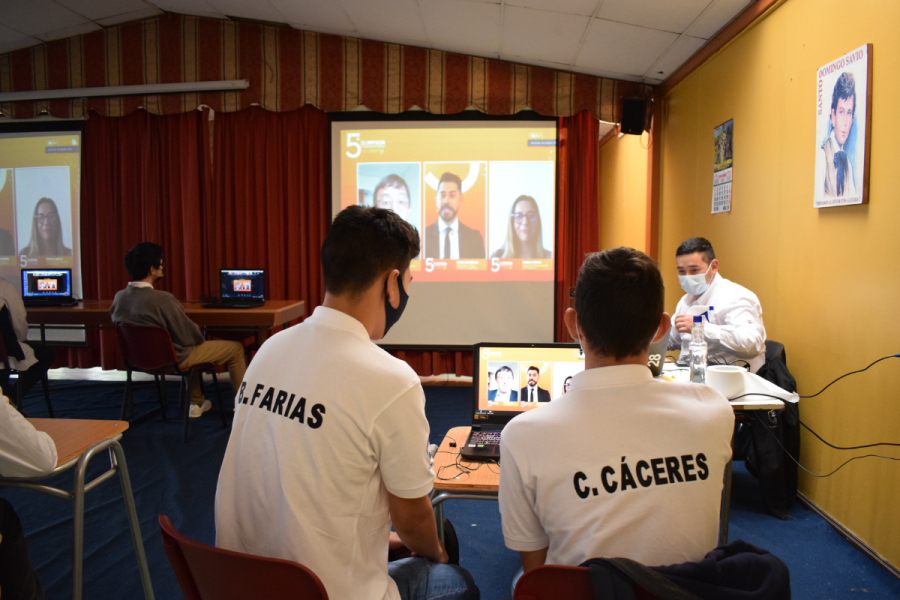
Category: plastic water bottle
[698,351]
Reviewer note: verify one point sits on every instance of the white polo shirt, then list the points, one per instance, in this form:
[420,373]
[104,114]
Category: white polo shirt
[326,424]
[623,465]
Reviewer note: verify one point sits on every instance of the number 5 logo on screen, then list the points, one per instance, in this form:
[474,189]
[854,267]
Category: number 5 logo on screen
[353,142]
[429,265]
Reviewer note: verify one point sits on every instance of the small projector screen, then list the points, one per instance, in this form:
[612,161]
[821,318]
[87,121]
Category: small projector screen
[493,183]
[40,185]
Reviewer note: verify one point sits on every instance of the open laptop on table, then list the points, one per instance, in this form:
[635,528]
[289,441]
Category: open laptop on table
[501,371]
[241,288]
[47,287]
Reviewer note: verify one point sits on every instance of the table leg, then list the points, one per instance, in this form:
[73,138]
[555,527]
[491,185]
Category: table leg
[439,520]
[117,457]
[726,506]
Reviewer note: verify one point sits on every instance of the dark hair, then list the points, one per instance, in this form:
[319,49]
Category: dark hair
[533,369]
[501,369]
[392,181]
[844,88]
[364,243]
[451,178]
[141,258]
[619,301]
[697,244]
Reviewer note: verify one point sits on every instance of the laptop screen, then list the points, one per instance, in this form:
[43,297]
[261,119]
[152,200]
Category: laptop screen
[248,284]
[512,378]
[46,283]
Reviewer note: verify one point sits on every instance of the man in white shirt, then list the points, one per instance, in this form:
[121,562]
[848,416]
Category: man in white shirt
[622,465]
[448,238]
[734,332]
[36,358]
[24,452]
[328,447]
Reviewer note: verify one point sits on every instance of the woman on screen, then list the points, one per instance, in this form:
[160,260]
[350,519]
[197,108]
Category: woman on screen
[46,232]
[523,232]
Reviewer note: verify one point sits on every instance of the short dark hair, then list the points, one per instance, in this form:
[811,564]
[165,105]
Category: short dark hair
[619,301]
[362,244]
[697,244]
[390,181]
[141,258]
[502,369]
[844,88]
[533,369]
[451,178]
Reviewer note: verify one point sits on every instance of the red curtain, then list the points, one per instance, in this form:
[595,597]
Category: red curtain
[577,208]
[144,178]
[271,202]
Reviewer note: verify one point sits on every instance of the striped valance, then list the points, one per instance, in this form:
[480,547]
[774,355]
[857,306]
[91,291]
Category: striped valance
[286,69]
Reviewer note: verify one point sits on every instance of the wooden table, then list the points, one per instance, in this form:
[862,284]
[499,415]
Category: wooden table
[73,437]
[77,442]
[95,314]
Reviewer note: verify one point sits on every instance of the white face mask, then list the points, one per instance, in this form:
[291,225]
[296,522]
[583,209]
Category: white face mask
[694,284]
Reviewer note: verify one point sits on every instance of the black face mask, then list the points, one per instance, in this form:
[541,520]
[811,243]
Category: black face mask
[391,314]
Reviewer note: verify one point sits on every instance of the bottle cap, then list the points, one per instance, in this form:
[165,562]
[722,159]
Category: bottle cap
[698,319]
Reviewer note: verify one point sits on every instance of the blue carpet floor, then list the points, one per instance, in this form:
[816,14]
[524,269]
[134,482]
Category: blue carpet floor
[179,480]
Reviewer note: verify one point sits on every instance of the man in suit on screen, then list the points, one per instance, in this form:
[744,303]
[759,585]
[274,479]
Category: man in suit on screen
[531,392]
[448,238]
[503,392]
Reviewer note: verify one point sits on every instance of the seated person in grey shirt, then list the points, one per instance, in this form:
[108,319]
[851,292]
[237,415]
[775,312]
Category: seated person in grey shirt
[140,304]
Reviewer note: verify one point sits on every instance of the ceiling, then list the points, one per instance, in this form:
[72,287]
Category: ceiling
[636,40]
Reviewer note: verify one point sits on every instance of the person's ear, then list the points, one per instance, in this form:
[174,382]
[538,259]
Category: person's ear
[570,318]
[393,292]
[665,322]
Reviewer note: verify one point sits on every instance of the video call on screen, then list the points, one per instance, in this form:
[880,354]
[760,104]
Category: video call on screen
[47,283]
[482,195]
[242,284]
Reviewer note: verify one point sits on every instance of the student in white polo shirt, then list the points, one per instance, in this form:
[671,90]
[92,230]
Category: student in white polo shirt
[622,465]
[328,447]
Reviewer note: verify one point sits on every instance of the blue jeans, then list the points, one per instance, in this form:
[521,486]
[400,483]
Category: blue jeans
[420,579]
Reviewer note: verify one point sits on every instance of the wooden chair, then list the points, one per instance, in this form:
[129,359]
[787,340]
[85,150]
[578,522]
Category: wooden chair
[149,350]
[7,337]
[549,582]
[209,573]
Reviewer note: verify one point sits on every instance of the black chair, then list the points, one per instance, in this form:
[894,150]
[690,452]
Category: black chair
[150,350]
[10,348]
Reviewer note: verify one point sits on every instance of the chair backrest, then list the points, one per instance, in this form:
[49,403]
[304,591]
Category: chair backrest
[9,344]
[146,348]
[550,582]
[208,573]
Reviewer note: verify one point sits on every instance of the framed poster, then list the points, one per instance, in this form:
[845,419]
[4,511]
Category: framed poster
[723,166]
[843,129]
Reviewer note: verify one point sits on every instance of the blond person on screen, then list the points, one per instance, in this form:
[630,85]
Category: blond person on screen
[523,232]
[46,232]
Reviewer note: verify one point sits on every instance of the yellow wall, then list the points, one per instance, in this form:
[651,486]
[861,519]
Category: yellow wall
[623,192]
[828,279]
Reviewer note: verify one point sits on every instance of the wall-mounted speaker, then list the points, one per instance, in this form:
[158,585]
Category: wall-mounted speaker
[634,115]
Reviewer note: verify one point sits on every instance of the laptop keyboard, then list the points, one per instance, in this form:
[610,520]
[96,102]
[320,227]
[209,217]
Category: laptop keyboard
[485,438]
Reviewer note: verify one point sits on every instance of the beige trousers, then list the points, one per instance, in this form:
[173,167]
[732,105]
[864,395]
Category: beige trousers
[216,352]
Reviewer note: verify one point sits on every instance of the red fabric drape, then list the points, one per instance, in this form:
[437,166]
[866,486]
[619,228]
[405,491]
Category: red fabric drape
[271,202]
[144,178]
[577,208]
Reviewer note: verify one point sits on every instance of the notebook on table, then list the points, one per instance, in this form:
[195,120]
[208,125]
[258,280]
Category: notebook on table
[502,372]
[47,287]
[240,288]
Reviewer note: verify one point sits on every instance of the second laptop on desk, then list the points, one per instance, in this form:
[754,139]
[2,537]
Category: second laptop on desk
[240,288]
[510,379]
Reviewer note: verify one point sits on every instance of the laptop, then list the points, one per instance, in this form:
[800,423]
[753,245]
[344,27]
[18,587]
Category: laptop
[47,287]
[240,288]
[501,371]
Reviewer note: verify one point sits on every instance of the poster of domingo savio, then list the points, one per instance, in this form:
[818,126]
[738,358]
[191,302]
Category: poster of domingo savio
[843,129]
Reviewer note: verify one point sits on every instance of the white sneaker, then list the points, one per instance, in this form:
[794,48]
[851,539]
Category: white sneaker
[197,410]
